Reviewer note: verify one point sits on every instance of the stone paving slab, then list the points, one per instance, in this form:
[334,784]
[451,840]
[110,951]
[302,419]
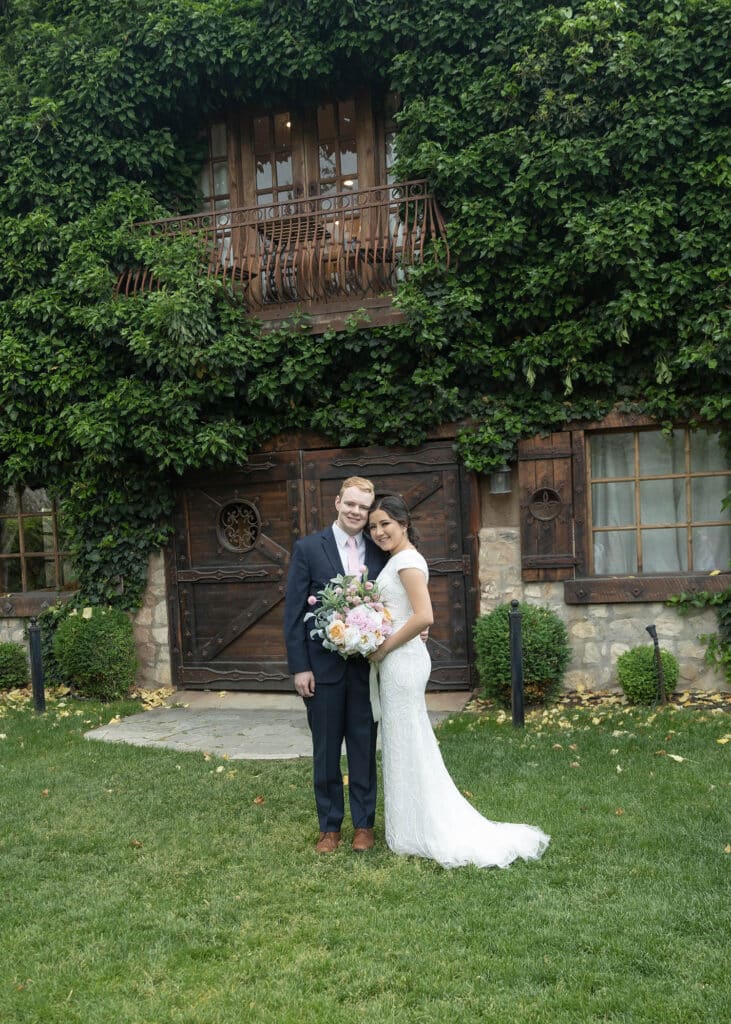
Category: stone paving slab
[237,726]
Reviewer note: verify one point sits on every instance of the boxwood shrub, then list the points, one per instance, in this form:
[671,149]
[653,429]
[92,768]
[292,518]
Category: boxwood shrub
[49,620]
[95,651]
[14,672]
[546,653]
[637,674]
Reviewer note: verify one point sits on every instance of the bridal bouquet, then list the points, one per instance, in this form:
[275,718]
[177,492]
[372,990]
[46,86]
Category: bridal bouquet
[351,618]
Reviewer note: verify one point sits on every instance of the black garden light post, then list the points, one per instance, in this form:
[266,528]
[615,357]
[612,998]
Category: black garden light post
[658,663]
[516,664]
[36,665]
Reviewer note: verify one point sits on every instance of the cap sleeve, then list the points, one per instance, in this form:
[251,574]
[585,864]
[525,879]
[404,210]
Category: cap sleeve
[411,559]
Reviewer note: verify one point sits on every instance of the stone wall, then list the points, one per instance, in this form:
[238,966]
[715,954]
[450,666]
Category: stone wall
[13,631]
[151,630]
[599,633]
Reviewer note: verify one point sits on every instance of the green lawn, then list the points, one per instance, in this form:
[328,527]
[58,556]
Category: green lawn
[154,887]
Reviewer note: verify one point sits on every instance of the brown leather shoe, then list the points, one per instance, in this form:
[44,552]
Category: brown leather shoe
[363,840]
[328,842]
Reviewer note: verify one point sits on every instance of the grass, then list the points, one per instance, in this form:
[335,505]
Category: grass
[143,886]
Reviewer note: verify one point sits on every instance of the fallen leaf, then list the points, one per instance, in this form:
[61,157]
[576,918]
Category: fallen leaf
[557,746]
[259,800]
[619,811]
[152,698]
[45,792]
[467,793]
[345,780]
[727,848]
[676,757]
[220,769]
[136,844]
[575,764]
[723,739]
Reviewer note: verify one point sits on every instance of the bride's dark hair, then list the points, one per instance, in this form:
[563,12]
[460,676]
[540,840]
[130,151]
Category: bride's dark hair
[395,507]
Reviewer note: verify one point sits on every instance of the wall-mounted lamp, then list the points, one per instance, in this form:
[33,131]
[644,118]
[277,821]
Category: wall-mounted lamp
[500,480]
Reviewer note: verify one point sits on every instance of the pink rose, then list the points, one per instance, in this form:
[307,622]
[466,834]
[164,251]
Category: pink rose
[311,600]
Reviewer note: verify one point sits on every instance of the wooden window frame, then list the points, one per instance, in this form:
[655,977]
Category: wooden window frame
[374,115]
[555,534]
[25,603]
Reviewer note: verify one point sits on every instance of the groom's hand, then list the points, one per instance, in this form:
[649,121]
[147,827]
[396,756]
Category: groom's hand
[304,684]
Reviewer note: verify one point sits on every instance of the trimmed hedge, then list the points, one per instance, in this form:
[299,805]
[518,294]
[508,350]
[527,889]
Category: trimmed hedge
[95,651]
[546,653]
[13,666]
[637,674]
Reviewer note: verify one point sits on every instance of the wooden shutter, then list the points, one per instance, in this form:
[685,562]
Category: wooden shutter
[545,477]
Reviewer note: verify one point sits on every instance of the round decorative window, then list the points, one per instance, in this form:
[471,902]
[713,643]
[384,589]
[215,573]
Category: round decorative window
[545,504]
[239,525]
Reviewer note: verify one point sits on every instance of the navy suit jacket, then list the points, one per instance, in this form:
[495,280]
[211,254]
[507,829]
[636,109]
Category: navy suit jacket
[315,561]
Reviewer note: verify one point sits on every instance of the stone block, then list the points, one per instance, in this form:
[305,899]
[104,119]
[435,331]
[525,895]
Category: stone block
[160,615]
[582,629]
[143,619]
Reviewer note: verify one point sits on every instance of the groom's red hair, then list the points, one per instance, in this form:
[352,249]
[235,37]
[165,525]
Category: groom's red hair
[357,481]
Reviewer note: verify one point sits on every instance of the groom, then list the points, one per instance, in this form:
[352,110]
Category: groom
[335,689]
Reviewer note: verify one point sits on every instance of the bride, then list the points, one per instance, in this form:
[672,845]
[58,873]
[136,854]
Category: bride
[426,815]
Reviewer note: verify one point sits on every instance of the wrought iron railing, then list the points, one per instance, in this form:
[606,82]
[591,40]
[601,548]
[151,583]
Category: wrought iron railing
[317,250]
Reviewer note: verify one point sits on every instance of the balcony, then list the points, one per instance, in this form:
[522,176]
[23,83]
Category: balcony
[326,257]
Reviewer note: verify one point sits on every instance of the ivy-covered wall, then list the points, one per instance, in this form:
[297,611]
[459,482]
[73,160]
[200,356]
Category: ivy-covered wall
[579,153]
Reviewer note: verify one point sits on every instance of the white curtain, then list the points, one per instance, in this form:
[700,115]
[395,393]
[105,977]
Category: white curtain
[633,514]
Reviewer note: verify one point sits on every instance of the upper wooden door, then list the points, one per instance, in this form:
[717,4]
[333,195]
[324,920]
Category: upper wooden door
[228,561]
[263,158]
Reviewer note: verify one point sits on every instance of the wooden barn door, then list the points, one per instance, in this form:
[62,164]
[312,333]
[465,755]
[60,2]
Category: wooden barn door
[227,565]
[227,571]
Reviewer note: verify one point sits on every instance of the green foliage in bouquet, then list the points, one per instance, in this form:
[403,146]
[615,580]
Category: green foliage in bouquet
[13,666]
[637,674]
[95,652]
[546,653]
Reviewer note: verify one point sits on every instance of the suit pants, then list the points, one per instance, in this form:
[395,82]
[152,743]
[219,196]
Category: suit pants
[342,711]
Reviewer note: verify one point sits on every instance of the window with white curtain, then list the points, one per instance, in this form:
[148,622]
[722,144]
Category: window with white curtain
[657,502]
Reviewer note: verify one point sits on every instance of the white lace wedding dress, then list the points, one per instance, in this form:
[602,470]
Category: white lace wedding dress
[426,815]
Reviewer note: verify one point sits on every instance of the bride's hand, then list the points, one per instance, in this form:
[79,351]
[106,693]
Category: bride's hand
[375,657]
